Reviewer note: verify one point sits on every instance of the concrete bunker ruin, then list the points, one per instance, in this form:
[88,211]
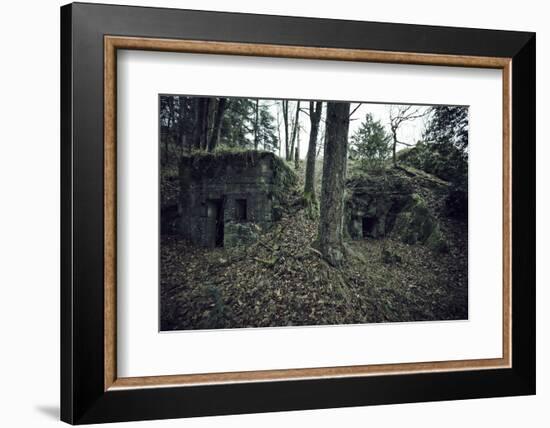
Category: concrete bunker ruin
[226,199]
[373,203]
[392,203]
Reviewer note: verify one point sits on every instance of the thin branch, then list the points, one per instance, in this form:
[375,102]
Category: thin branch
[355,109]
[405,144]
[303,110]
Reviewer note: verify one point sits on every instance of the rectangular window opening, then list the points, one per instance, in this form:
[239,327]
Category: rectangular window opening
[240,210]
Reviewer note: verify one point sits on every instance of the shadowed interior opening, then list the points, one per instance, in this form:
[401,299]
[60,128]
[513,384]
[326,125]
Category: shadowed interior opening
[368,225]
[240,210]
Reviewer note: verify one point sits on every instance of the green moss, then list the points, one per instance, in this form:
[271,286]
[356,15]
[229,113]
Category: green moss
[224,150]
[311,206]
[416,224]
[390,257]
[284,176]
[203,164]
[202,161]
[437,242]
[284,179]
[240,234]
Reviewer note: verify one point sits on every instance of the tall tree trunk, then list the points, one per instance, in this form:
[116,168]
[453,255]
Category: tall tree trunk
[164,157]
[394,148]
[182,125]
[212,109]
[279,133]
[204,130]
[315,118]
[295,130]
[297,150]
[285,121]
[198,122]
[218,120]
[324,139]
[256,123]
[332,191]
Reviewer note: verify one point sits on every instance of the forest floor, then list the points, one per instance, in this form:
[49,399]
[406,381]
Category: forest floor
[281,280]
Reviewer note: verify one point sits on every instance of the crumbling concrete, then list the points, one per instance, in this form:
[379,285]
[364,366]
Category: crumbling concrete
[226,199]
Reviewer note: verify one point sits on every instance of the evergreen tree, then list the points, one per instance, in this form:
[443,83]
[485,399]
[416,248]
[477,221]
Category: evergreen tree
[370,144]
[267,132]
[238,123]
[446,143]
[448,126]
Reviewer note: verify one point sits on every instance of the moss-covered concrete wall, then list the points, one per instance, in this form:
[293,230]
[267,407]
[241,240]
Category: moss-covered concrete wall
[393,203]
[210,182]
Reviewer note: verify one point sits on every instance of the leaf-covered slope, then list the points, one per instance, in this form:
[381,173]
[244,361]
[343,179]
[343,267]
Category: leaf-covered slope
[282,280]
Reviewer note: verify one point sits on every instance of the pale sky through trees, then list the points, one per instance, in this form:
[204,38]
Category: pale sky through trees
[409,132]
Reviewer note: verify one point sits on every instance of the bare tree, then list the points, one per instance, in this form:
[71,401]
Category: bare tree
[315,110]
[332,191]
[295,128]
[285,121]
[400,114]
[279,132]
[256,122]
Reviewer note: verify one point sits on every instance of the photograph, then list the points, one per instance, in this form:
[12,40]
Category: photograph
[262,212]
[287,212]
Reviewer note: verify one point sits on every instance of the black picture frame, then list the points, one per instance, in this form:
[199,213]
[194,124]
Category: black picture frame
[83,398]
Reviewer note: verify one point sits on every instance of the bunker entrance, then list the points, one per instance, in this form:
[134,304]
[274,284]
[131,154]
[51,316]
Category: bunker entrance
[214,225]
[368,226]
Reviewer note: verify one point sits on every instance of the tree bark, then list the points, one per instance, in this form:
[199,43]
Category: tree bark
[216,130]
[198,122]
[315,118]
[295,129]
[285,121]
[204,130]
[279,133]
[256,123]
[297,150]
[394,148]
[332,191]
[322,146]
[182,132]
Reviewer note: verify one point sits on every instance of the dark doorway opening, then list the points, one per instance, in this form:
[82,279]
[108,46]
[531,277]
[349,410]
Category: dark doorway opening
[240,210]
[215,222]
[169,217]
[368,226]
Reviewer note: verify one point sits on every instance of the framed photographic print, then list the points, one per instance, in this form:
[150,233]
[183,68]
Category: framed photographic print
[265,213]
